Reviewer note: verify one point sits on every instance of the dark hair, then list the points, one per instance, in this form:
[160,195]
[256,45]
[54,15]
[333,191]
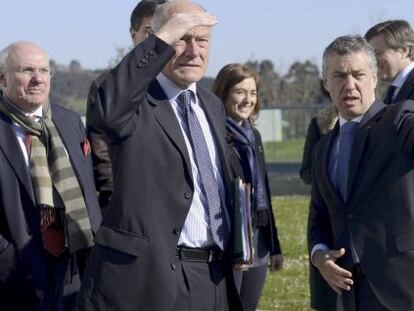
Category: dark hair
[397,34]
[143,9]
[349,44]
[228,77]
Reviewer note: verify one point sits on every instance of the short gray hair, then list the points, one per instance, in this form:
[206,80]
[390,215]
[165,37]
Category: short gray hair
[4,54]
[162,12]
[349,44]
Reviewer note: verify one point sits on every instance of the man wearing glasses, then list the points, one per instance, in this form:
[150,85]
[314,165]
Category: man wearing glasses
[49,211]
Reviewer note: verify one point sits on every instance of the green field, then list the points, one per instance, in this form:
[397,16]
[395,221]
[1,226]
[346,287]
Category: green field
[288,290]
[284,151]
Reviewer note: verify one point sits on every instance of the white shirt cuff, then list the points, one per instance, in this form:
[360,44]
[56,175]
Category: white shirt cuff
[318,247]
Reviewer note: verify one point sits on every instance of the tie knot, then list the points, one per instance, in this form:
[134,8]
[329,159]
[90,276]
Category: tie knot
[389,96]
[184,98]
[349,127]
[391,89]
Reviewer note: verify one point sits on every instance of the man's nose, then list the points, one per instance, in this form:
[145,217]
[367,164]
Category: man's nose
[192,48]
[349,82]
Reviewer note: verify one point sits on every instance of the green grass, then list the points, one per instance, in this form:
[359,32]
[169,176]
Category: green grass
[78,105]
[284,151]
[288,290]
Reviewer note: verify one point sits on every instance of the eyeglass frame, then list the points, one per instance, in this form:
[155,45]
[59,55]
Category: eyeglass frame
[30,71]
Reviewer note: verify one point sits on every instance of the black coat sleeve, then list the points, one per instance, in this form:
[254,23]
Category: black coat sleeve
[124,89]
[271,229]
[312,137]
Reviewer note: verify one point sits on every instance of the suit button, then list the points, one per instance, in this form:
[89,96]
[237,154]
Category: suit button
[173,266]
[188,195]
[177,231]
[350,216]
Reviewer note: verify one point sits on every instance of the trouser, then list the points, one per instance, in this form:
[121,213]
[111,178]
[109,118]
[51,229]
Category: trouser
[201,286]
[63,284]
[360,297]
[250,285]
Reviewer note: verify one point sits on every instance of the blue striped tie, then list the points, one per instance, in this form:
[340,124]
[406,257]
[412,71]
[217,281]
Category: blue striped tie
[208,184]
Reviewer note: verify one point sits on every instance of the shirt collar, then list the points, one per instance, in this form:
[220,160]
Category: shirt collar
[357,119]
[37,113]
[402,76]
[171,89]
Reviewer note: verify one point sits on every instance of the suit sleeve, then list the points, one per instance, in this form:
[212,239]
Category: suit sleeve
[319,225]
[8,262]
[102,168]
[405,126]
[8,257]
[271,228]
[124,89]
[312,137]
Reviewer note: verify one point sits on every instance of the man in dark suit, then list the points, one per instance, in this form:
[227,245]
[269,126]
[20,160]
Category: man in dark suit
[165,239]
[362,207]
[393,42]
[140,29]
[48,206]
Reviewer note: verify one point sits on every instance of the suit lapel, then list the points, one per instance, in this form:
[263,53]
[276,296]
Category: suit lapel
[326,160]
[167,119]
[358,145]
[407,88]
[71,140]
[11,149]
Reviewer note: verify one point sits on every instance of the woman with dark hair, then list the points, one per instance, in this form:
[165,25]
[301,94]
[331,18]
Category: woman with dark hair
[237,86]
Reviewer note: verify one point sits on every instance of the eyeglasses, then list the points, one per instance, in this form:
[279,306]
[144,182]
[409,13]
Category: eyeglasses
[31,72]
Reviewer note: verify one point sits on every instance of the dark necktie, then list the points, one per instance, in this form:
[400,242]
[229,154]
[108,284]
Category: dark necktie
[346,138]
[208,184]
[344,154]
[52,231]
[390,94]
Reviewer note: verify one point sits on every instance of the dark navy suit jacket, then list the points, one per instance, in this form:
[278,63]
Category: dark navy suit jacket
[379,212]
[23,263]
[134,264]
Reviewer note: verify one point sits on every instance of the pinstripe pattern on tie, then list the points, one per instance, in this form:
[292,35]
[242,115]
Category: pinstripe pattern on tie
[209,185]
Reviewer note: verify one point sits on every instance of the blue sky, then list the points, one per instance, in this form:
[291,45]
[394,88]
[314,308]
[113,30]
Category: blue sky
[282,31]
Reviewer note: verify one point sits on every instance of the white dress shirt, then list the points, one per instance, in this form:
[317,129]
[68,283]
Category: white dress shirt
[21,133]
[196,230]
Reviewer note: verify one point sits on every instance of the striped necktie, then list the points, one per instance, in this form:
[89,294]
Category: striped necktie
[208,182]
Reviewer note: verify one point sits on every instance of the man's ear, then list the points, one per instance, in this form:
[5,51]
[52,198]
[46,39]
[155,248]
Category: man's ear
[324,84]
[132,33]
[405,52]
[324,88]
